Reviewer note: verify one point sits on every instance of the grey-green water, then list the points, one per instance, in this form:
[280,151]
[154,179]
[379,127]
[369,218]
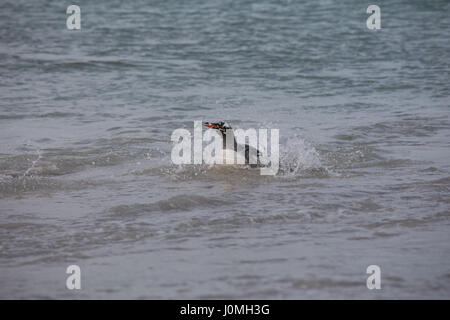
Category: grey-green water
[85,170]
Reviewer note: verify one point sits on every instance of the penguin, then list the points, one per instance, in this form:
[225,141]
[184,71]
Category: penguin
[226,131]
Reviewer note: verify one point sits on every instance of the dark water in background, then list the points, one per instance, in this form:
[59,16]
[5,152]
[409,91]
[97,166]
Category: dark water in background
[85,171]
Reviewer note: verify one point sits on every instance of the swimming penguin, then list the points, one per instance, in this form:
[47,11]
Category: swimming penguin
[251,154]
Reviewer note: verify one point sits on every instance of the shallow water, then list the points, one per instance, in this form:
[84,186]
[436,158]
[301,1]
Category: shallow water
[85,170]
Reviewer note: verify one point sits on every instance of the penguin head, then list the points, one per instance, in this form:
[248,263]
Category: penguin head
[221,126]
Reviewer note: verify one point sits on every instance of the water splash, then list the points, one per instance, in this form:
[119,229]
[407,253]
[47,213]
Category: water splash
[299,157]
[32,169]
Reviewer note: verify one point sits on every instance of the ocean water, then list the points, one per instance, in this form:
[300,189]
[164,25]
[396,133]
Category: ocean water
[86,176]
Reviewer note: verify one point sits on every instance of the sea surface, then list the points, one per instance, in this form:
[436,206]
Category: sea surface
[86,176]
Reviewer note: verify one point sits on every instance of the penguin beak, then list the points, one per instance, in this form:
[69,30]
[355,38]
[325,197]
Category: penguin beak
[212,125]
[219,126]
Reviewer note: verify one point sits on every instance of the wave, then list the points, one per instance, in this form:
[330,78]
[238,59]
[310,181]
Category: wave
[298,158]
[176,203]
